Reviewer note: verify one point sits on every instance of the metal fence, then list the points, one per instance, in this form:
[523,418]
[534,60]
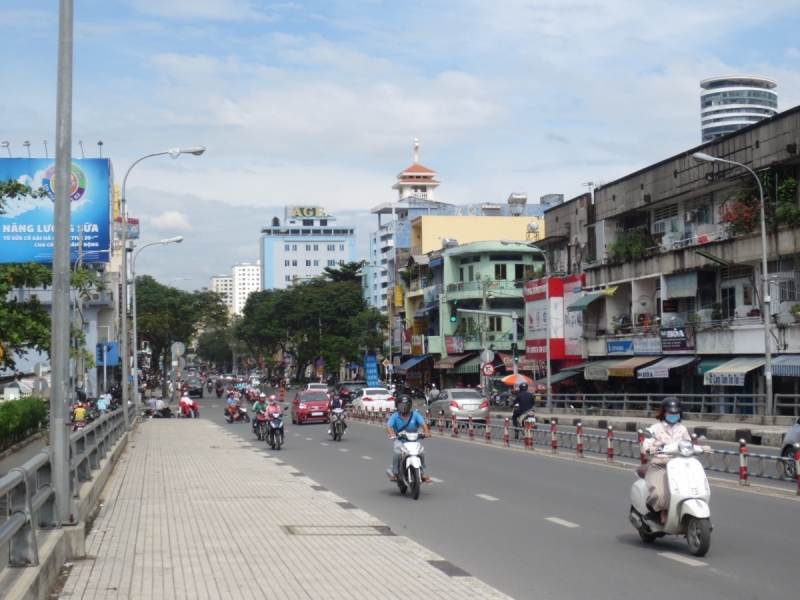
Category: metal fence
[31,497]
[753,404]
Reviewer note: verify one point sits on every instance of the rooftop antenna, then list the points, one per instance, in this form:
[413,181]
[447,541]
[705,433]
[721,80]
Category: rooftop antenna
[5,145]
[416,150]
[80,143]
[45,149]
[100,144]
[27,144]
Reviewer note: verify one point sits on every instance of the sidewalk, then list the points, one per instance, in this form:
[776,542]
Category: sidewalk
[193,511]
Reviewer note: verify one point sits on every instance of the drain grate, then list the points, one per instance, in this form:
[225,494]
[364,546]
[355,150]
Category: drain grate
[334,530]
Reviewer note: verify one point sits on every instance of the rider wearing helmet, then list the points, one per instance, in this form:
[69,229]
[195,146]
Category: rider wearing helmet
[668,429]
[261,404]
[405,419]
[335,402]
[523,403]
[273,407]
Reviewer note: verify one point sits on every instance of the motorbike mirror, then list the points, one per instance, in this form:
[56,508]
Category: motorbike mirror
[647,433]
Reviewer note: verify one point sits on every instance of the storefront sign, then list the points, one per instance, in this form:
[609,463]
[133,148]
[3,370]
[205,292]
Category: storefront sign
[712,378]
[619,348]
[678,340]
[454,344]
[417,344]
[398,296]
[647,346]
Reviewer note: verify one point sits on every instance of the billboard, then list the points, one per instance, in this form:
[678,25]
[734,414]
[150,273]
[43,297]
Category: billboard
[566,328]
[26,225]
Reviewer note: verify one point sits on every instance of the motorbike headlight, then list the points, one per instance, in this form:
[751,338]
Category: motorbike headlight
[686,448]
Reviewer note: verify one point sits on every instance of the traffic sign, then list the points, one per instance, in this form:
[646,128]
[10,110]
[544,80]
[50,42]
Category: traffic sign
[487,356]
[177,348]
[488,369]
[386,362]
[38,369]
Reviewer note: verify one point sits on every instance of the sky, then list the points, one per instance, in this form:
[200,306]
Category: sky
[318,103]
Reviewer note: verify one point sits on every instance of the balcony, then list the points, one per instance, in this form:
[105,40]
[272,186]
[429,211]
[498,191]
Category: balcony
[474,289]
[415,196]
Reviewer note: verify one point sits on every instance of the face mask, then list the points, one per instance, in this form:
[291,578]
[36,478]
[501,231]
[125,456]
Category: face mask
[672,419]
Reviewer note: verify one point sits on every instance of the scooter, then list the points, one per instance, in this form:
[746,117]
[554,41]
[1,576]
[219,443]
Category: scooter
[241,415]
[219,392]
[337,424]
[410,473]
[689,513]
[519,421]
[261,425]
[275,431]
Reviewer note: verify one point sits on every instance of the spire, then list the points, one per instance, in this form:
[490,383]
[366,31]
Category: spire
[416,151]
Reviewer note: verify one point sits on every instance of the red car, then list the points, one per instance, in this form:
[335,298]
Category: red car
[310,406]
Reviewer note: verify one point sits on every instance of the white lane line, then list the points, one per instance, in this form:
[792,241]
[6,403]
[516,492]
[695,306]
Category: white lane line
[308,439]
[323,443]
[297,434]
[489,498]
[558,521]
[437,480]
[367,457]
[683,559]
[343,450]
[213,405]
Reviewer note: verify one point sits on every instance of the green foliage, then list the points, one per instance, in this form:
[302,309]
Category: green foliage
[795,310]
[345,272]
[21,418]
[743,212]
[631,245]
[716,311]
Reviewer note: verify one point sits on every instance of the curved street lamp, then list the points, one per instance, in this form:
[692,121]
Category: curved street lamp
[125,349]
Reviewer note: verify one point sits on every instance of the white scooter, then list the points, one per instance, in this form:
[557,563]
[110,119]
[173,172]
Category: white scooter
[689,513]
[410,473]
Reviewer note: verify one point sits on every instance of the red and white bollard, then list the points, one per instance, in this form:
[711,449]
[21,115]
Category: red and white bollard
[454,426]
[743,463]
[441,422]
[505,434]
[553,437]
[797,465]
[642,457]
[382,413]
[528,434]
[610,449]
[428,418]
[373,416]
[471,430]
[579,441]
[488,431]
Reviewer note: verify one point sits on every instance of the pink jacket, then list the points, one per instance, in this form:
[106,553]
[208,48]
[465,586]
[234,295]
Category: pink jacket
[664,433]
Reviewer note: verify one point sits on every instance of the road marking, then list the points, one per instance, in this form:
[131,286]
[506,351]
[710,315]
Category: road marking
[489,498]
[215,406]
[558,521]
[437,480]
[343,450]
[323,443]
[309,439]
[367,457]
[297,434]
[683,559]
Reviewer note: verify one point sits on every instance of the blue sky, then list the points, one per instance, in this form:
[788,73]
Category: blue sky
[319,102]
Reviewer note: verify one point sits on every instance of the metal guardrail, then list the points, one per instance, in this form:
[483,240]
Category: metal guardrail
[694,403]
[29,491]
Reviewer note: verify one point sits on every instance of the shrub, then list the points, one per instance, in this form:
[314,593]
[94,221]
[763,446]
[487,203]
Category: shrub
[21,418]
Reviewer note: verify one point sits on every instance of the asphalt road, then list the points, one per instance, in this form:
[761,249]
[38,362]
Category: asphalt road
[536,526]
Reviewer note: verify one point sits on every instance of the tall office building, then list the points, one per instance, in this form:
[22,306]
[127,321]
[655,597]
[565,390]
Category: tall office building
[732,102]
[223,285]
[308,241]
[246,280]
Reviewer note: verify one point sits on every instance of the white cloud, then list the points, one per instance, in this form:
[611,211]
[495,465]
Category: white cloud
[199,9]
[171,220]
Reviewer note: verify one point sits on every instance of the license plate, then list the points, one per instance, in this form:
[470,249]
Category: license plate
[470,407]
[317,414]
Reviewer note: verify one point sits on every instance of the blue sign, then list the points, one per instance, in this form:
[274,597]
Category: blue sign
[617,348]
[371,368]
[26,224]
[111,354]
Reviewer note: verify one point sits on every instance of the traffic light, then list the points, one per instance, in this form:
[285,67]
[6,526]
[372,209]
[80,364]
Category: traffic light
[514,352]
[454,312]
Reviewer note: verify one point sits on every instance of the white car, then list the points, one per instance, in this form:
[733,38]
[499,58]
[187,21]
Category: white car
[374,399]
[317,387]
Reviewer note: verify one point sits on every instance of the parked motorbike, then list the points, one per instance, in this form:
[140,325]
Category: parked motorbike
[275,431]
[410,473]
[689,512]
[337,423]
[241,415]
[261,425]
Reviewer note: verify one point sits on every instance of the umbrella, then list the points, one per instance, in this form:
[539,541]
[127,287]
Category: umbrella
[514,380]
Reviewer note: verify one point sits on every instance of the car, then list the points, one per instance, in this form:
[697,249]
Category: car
[255,381]
[374,398]
[346,390]
[460,404]
[317,387]
[310,406]
[195,386]
[791,438]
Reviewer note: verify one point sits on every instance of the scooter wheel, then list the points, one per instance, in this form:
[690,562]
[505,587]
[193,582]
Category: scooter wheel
[698,536]
[647,538]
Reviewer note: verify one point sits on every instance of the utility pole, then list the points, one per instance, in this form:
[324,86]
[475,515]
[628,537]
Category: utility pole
[484,307]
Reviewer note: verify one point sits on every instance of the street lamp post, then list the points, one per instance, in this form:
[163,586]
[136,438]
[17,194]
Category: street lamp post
[765,299]
[179,279]
[173,240]
[125,350]
[547,313]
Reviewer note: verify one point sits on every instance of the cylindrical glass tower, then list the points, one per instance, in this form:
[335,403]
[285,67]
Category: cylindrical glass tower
[734,101]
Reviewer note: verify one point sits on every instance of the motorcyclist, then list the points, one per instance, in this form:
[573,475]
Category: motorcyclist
[233,405]
[80,415]
[523,405]
[404,419]
[261,404]
[274,408]
[668,429]
[434,393]
[335,402]
[187,406]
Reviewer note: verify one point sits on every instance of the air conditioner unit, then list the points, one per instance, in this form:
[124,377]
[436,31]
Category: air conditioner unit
[95,296]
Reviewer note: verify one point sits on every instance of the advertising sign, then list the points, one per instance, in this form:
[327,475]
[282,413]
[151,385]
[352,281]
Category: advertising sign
[454,344]
[619,348]
[566,328]
[26,225]
[711,378]
[398,296]
[371,369]
[639,346]
[417,344]
[677,340]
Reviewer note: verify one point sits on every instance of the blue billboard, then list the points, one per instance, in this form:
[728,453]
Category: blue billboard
[26,223]
[371,369]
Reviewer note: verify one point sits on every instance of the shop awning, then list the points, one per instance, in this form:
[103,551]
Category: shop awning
[786,365]
[598,371]
[471,366]
[423,312]
[705,365]
[628,367]
[733,372]
[450,361]
[411,362]
[561,376]
[660,370]
[583,303]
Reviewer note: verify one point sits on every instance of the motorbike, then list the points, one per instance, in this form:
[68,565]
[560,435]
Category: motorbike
[241,415]
[519,421]
[337,423]
[219,392]
[410,473]
[261,425]
[275,431]
[689,513]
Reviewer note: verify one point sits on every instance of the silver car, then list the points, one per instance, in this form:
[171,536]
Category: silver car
[460,404]
[791,438]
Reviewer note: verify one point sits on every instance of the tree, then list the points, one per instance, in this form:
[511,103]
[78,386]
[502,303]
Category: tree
[345,272]
[216,346]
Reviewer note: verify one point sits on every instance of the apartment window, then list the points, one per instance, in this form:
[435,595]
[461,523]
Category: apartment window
[341,247]
[308,222]
[294,263]
[294,247]
[500,272]
[286,247]
[471,272]
[495,324]
[308,247]
[286,263]
[331,247]
[331,263]
[288,278]
[316,263]
[341,262]
[308,263]
[323,222]
[316,247]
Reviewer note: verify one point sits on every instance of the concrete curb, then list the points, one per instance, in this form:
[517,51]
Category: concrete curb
[20,445]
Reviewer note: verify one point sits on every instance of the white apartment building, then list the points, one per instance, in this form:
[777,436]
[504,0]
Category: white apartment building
[246,279]
[223,285]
